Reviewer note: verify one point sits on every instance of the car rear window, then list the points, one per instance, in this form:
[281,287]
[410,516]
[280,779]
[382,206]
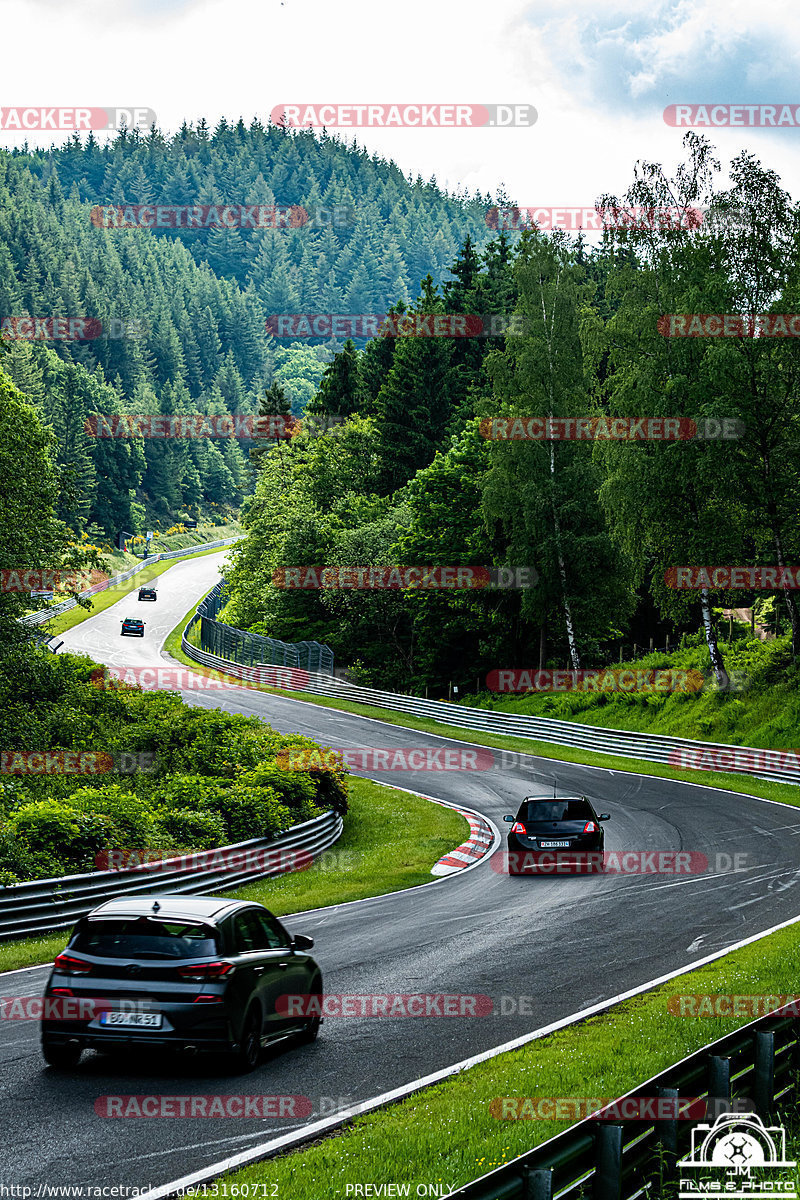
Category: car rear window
[146,937]
[555,810]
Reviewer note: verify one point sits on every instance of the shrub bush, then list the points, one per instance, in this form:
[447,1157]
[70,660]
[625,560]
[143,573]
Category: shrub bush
[191,829]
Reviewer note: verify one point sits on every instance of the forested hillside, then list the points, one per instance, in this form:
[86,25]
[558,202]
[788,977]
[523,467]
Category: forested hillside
[414,476]
[412,471]
[193,302]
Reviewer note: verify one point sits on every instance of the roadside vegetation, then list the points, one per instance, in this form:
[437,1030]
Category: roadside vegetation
[207,778]
[761,708]
[367,860]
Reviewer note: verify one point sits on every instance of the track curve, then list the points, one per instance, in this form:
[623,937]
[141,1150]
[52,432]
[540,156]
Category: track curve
[563,943]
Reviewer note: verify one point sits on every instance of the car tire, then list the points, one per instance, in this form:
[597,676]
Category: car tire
[310,1031]
[245,1059]
[62,1057]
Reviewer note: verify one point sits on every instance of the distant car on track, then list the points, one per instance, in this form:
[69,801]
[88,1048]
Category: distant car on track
[566,827]
[191,973]
[148,593]
[132,626]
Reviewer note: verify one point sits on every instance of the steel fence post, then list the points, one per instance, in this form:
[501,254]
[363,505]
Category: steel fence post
[537,1183]
[764,1071]
[608,1163]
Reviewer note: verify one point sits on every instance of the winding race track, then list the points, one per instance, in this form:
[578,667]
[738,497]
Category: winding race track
[541,948]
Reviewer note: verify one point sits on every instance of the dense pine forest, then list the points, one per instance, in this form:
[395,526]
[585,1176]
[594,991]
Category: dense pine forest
[193,303]
[398,465]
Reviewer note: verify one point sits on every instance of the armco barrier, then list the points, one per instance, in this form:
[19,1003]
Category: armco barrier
[44,614]
[622,1160]
[647,746]
[48,904]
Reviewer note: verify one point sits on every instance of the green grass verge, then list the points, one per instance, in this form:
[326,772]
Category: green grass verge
[376,853]
[103,600]
[745,784]
[448,1134]
[368,860]
[765,712]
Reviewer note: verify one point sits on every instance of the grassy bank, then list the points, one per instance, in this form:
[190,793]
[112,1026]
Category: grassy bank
[366,861]
[765,712]
[448,1133]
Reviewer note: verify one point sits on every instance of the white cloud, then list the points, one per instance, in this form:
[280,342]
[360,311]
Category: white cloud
[599,78]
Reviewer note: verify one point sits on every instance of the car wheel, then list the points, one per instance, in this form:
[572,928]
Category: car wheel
[62,1057]
[310,1031]
[246,1057]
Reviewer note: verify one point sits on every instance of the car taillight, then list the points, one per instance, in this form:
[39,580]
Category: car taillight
[206,971]
[590,827]
[61,992]
[518,827]
[72,966]
[208,1000]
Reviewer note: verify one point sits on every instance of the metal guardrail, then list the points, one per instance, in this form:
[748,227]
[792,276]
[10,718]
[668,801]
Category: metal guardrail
[48,904]
[253,649]
[623,1160]
[44,614]
[624,744]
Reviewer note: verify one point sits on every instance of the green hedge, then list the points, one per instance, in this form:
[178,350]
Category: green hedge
[215,778]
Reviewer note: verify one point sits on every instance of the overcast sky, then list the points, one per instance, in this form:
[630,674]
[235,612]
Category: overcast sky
[599,75]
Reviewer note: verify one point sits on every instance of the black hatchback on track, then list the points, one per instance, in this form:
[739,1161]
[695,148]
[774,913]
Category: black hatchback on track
[555,835]
[188,973]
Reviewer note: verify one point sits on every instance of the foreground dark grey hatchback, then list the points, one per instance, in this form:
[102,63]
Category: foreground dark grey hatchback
[183,972]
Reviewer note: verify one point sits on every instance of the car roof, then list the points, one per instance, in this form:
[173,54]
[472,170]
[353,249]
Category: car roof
[552,798]
[170,906]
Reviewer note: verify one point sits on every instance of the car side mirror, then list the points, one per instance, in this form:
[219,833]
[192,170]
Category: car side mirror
[508,818]
[301,942]
[604,817]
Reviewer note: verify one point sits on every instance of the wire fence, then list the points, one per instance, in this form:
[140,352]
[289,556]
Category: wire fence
[206,633]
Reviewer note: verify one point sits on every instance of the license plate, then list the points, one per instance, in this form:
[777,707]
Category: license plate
[146,1020]
[554,845]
